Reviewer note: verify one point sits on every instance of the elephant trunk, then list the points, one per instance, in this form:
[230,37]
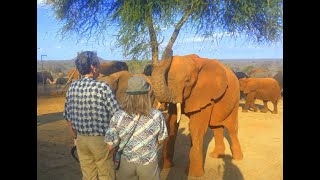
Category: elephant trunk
[159,79]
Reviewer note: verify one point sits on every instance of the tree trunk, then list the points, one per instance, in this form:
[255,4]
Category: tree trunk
[153,39]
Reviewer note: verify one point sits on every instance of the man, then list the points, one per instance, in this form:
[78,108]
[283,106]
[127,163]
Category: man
[89,106]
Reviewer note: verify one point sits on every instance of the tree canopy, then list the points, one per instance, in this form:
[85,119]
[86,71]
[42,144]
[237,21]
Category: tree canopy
[139,24]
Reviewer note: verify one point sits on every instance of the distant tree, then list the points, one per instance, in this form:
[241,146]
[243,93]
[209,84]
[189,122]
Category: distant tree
[139,23]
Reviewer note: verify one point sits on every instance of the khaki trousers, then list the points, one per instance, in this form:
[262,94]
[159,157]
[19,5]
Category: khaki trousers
[133,171]
[95,159]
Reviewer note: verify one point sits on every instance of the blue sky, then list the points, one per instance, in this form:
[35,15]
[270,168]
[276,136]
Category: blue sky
[50,43]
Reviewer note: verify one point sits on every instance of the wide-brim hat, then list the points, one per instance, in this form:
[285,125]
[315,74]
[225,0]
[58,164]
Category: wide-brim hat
[137,85]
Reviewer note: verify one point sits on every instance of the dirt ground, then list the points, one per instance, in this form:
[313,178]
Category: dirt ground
[260,135]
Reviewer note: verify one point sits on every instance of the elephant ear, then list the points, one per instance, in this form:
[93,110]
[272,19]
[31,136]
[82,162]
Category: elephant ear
[249,86]
[211,84]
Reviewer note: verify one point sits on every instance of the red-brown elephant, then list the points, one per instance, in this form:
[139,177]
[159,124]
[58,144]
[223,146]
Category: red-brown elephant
[265,89]
[106,68]
[207,92]
[119,82]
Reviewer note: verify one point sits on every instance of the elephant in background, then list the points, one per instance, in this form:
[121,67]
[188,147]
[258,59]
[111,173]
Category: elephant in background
[207,92]
[265,89]
[148,70]
[279,78]
[119,82]
[61,80]
[106,68]
[44,76]
[241,75]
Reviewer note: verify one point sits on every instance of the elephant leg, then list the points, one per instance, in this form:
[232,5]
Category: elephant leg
[168,145]
[265,107]
[253,106]
[231,123]
[246,105]
[249,99]
[198,127]
[219,143]
[275,106]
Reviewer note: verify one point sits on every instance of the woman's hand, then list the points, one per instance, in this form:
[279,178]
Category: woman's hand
[109,147]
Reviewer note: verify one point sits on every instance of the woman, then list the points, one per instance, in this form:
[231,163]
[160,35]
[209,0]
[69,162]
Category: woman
[138,129]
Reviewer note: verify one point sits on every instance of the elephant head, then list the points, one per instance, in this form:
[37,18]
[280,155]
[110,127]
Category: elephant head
[246,86]
[189,80]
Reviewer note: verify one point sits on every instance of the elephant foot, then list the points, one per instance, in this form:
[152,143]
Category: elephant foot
[244,110]
[167,164]
[237,156]
[264,110]
[255,109]
[217,154]
[196,171]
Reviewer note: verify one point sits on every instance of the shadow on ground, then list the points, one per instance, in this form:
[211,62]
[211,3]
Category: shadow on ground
[49,118]
[53,159]
[259,106]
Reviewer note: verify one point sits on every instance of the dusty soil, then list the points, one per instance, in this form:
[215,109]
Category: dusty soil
[260,135]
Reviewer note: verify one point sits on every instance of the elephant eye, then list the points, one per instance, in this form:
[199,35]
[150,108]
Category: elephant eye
[187,82]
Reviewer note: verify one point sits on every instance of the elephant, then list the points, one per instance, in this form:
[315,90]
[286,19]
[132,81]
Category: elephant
[119,82]
[148,70]
[207,92]
[61,80]
[279,78]
[43,76]
[257,70]
[106,68]
[265,89]
[239,76]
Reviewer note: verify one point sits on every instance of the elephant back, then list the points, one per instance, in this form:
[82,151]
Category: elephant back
[107,68]
[241,75]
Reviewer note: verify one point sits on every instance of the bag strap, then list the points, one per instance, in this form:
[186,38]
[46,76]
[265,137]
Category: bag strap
[136,120]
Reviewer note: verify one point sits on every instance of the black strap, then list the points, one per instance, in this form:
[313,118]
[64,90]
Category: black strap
[136,123]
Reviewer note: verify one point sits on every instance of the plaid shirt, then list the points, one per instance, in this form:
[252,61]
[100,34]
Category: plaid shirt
[90,105]
[142,145]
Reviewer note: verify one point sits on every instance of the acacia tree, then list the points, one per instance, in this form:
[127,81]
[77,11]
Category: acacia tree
[139,24]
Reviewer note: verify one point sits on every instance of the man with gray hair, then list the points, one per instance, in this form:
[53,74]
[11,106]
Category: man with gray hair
[89,106]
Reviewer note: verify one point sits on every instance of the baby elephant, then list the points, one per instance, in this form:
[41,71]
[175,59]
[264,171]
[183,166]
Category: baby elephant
[266,89]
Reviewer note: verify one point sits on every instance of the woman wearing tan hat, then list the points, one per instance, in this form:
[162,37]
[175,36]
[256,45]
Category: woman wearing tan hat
[137,130]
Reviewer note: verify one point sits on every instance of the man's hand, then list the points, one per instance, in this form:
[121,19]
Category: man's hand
[75,142]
